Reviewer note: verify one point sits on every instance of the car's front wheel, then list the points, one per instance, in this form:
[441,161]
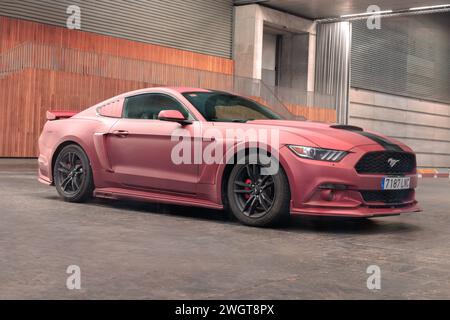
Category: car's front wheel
[256,199]
[73,175]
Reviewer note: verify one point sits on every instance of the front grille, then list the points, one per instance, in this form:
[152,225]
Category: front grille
[381,162]
[387,196]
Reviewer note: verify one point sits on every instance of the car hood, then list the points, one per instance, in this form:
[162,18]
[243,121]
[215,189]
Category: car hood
[325,135]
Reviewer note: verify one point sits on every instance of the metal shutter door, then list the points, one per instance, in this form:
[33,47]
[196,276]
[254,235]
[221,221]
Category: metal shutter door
[408,56]
[203,26]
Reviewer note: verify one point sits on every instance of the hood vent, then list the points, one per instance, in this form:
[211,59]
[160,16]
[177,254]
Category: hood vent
[346,127]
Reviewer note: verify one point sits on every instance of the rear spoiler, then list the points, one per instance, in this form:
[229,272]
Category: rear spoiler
[55,115]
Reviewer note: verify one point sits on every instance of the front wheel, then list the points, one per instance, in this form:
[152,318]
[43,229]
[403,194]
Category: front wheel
[73,175]
[256,199]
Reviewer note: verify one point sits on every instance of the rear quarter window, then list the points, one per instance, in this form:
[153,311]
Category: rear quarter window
[112,109]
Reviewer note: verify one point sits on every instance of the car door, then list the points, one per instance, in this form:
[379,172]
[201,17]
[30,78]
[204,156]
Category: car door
[140,146]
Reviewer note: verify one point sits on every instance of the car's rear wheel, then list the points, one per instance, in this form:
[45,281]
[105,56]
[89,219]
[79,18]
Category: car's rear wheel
[73,175]
[256,199]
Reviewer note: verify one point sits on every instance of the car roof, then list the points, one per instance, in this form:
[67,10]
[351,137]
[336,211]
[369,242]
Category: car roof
[188,89]
[165,89]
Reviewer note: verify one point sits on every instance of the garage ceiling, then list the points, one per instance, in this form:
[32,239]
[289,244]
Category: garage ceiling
[317,9]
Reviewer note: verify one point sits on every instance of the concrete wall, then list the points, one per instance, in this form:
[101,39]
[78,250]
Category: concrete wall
[423,125]
[294,61]
[248,38]
[269,57]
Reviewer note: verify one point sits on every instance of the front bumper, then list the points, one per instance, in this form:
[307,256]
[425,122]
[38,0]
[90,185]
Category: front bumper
[361,211]
[307,179]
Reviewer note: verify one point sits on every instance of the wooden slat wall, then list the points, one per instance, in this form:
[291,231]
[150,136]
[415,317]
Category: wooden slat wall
[38,56]
[313,113]
[26,95]
[15,31]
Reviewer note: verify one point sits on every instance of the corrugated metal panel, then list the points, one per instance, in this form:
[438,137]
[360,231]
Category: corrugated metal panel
[203,26]
[332,63]
[408,56]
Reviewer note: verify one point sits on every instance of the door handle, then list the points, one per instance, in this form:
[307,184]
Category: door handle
[120,133]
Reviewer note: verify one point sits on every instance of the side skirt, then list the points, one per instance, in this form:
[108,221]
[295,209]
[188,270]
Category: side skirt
[120,193]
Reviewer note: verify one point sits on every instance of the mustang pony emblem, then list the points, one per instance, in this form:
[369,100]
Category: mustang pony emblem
[392,162]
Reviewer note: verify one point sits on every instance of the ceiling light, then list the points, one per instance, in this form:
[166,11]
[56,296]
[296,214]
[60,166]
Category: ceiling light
[431,7]
[373,13]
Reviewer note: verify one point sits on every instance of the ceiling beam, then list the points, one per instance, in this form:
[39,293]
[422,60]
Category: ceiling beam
[243,2]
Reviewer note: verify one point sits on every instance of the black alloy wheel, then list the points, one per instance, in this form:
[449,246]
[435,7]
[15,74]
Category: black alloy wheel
[72,174]
[256,199]
[253,192]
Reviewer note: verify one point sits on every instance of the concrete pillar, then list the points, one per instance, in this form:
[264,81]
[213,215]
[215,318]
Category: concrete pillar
[248,41]
[311,61]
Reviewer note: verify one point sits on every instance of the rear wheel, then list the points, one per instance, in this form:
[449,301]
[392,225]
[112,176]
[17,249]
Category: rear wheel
[256,199]
[73,175]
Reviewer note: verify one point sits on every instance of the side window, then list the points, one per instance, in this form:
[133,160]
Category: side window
[148,106]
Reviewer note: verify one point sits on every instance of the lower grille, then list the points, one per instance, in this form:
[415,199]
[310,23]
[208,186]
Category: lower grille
[387,196]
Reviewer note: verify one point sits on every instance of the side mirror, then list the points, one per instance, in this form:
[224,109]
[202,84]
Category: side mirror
[173,116]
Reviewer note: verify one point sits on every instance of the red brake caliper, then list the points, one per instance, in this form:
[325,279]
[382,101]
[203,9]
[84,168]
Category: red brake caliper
[247,196]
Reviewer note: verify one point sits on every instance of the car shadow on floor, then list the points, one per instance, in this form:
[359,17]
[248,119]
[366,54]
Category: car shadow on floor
[166,209]
[357,226]
[301,224]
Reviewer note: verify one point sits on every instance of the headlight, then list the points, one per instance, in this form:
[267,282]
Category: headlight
[318,153]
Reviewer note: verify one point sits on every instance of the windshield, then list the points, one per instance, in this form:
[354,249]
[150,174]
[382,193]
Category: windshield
[225,107]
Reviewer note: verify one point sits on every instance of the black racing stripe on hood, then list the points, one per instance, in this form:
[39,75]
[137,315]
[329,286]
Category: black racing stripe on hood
[389,146]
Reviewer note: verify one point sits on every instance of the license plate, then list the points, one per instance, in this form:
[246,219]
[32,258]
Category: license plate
[395,183]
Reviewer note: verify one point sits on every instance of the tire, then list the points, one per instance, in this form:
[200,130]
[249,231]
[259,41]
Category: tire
[73,174]
[261,204]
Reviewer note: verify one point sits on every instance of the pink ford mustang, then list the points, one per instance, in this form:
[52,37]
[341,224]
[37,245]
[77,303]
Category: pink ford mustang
[155,144]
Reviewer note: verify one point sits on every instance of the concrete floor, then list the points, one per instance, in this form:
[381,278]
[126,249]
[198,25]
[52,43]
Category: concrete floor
[148,251]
